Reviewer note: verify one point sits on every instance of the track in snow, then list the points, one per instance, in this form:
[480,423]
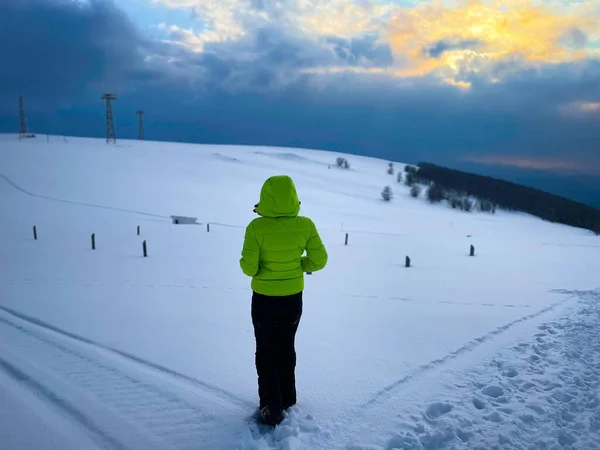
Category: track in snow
[388,392]
[122,401]
[125,402]
[71,202]
[390,398]
[542,393]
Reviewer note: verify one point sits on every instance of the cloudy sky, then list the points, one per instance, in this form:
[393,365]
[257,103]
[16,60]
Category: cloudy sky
[508,87]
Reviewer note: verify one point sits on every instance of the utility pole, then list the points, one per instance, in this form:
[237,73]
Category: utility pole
[22,120]
[110,126]
[140,115]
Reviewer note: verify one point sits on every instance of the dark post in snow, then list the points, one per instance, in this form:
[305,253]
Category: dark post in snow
[208,227]
[346,242]
[34,233]
[472,251]
[138,230]
[407,262]
[93,241]
[145,249]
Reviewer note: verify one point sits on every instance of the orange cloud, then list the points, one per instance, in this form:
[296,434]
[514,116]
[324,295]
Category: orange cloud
[470,35]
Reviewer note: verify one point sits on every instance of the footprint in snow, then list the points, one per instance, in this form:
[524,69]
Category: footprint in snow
[405,441]
[537,408]
[565,439]
[478,403]
[436,410]
[527,418]
[495,417]
[493,391]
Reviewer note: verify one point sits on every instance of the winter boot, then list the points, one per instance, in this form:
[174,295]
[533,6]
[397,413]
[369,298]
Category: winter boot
[270,417]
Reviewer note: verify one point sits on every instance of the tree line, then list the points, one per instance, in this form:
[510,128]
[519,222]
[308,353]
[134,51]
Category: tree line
[453,185]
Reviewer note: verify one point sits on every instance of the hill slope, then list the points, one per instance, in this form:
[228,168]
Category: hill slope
[105,347]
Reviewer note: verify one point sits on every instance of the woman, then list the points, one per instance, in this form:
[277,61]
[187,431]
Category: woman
[272,254]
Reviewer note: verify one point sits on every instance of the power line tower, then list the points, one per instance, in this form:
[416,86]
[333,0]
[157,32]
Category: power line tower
[110,126]
[140,115]
[22,120]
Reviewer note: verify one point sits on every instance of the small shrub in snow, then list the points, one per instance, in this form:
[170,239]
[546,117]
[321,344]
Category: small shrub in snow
[342,162]
[399,177]
[387,194]
[409,179]
[391,169]
[415,190]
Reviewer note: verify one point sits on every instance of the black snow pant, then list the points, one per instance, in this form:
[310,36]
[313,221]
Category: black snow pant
[276,321]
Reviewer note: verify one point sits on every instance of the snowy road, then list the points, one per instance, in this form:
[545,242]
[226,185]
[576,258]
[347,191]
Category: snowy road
[121,401]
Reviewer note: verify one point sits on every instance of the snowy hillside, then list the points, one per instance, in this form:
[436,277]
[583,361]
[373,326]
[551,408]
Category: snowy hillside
[107,349]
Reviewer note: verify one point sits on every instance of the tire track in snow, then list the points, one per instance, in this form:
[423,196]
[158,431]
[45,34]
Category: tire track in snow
[159,412]
[62,404]
[370,412]
[388,391]
[541,393]
[71,202]
[214,390]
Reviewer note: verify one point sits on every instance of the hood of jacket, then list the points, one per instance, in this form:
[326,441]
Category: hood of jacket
[278,198]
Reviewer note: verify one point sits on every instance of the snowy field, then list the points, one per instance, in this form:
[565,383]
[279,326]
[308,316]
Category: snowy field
[106,349]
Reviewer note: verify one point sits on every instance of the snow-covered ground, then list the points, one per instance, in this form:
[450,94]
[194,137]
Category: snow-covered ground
[107,349]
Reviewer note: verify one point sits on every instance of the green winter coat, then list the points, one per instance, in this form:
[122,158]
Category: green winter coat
[274,243]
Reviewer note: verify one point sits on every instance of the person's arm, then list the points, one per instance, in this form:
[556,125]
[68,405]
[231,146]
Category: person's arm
[250,252]
[316,255]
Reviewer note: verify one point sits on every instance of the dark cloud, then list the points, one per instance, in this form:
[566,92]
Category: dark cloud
[272,57]
[55,49]
[438,48]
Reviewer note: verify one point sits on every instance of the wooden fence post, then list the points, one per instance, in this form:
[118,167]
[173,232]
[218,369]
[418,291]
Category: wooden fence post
[145,249]
[35,233]
[208,227]
[472,251]
[346,242]
[93,241]
[138,230]
[407,262]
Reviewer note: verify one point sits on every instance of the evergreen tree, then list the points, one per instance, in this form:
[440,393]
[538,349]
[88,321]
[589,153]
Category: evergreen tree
[435,193]
[387,194]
